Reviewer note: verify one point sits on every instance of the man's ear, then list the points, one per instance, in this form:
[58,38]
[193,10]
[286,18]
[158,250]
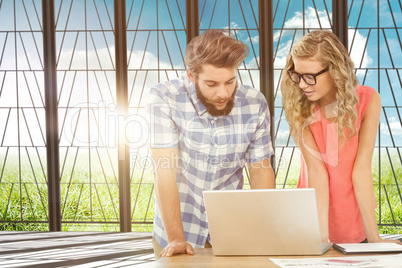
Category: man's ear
[190,76]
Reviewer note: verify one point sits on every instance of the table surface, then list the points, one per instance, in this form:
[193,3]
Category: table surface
[74,249]
[105,249]
[203,257]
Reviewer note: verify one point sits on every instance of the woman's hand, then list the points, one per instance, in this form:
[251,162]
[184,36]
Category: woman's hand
[381,240]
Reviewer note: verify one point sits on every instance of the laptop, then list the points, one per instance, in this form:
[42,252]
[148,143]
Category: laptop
[264,222]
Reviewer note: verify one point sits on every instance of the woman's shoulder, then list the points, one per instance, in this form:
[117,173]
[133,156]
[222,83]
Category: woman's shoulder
[367,95]
[364,90]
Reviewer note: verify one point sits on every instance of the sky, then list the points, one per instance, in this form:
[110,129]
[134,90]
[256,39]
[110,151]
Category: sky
[78,51]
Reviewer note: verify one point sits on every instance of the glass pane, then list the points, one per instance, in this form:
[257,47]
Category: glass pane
[23,181]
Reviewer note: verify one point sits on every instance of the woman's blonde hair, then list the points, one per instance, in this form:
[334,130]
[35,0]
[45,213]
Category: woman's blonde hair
[326,48]
[216,47]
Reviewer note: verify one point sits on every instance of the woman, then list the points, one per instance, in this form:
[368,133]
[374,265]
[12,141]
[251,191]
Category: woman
[334,121]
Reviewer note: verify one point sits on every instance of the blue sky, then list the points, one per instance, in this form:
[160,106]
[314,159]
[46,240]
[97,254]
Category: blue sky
[95,50]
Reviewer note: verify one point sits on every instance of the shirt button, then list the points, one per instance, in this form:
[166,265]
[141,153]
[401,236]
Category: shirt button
[212,121]
[205,231]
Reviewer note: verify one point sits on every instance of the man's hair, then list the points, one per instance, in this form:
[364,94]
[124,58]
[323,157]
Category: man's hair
[326,48]
[216,47]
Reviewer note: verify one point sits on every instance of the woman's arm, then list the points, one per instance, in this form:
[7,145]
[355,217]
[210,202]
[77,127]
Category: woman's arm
[317,178]
[361,176]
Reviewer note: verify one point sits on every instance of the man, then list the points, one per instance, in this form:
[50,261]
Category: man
[204,128]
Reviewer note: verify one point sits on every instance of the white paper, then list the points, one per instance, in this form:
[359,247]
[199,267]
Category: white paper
[339,262]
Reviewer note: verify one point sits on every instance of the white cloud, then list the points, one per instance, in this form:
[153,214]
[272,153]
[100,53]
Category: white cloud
[233,25]
[103,58]
[283,51]
[241,35]
[147,60]
[311,21]
[356,54]
[252,64]
[282,136]
[394,125]
[99,59]
[254,40]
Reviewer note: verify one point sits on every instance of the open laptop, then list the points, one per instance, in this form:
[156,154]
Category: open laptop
[264,222]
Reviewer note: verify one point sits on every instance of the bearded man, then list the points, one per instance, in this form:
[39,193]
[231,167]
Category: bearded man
[204,127]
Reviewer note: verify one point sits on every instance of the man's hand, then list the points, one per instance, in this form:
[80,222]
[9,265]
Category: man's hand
[177,247]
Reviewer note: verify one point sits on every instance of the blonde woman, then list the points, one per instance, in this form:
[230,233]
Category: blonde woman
[334,122]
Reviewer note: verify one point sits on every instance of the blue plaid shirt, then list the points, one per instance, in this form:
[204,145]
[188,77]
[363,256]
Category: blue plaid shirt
[212,150]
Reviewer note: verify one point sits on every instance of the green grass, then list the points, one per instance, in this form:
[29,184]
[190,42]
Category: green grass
[391,181]
[94,197]
[85,197]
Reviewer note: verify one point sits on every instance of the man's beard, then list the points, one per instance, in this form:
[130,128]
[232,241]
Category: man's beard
[211,109]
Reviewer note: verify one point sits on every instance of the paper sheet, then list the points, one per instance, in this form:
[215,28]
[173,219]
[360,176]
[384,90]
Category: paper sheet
[339,262]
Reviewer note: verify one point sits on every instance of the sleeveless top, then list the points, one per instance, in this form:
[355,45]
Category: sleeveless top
[344,220]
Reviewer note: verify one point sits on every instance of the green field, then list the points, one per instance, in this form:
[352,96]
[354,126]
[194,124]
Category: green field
[89,197]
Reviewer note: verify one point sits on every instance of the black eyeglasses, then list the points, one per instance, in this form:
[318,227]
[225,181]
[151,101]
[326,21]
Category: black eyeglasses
[310,79]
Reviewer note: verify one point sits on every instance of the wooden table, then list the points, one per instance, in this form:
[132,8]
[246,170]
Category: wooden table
[69,249]
[203,257]
[103,249]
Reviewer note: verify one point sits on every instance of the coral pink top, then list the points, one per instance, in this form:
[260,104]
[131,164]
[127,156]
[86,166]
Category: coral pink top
[345,222]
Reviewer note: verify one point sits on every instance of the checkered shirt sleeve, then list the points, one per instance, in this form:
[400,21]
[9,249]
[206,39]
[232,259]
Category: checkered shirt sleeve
[261,142]
[212,150]
[163,130]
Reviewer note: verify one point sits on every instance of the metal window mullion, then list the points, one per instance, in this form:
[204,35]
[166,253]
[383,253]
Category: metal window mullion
[379,126]
[122,104]
[87,103]
[340,20]
[17,111]
[192,19]
[266,61]
[157,42]
[51,114]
